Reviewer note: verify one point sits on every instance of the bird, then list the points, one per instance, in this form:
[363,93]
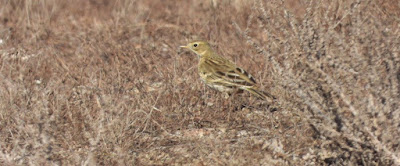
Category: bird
[223,75]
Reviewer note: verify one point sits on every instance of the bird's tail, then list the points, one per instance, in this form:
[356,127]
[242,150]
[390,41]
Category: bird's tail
[260,94]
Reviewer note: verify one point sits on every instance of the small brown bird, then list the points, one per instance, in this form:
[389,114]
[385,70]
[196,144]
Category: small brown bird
[222,74]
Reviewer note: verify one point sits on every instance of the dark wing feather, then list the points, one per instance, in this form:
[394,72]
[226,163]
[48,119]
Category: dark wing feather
[228,72]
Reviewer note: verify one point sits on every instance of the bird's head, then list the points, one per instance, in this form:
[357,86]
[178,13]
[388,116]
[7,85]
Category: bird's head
[198,47]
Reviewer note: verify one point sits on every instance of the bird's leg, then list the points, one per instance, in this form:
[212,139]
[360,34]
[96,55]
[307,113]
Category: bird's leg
[226,95]
[235,96]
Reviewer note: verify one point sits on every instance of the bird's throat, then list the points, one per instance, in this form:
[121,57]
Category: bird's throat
[203,53]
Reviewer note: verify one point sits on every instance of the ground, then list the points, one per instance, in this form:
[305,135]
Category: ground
[105,83]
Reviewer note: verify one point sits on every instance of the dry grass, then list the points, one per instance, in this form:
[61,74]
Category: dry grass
[104,83]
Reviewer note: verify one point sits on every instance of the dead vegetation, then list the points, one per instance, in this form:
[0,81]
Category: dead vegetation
[104,83]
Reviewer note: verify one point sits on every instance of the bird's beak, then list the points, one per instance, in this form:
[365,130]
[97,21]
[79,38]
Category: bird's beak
[183,46]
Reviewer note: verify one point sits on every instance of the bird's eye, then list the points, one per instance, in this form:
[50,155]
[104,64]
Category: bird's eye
[194,45]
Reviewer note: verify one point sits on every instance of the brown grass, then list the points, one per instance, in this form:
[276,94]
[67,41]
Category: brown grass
[104,83]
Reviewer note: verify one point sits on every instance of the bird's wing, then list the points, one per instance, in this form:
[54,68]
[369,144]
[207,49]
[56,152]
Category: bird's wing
[227,72]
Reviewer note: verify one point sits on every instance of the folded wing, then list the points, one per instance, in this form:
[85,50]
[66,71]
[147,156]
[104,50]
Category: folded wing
[229,73]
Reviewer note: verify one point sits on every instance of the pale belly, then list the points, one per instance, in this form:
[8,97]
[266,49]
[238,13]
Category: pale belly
[217,87]
[214,84]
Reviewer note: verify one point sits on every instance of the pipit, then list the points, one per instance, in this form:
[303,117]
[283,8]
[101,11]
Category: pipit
[223,75]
